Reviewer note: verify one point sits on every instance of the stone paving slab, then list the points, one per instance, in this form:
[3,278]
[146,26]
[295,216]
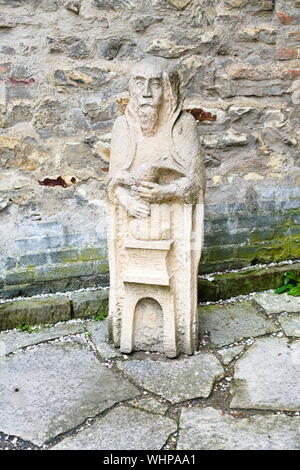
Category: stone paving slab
[228,354]
[149,404]
[12,340]
[290,325]
[53,388]
[211,429]
[122,429]
[99,336]
[176,380]
[275,303]
[267,376]
[228,324]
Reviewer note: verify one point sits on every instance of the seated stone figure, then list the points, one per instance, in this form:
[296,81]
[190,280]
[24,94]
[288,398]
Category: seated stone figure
[155,219]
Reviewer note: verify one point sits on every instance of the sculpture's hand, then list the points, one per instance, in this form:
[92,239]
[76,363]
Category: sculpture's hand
[138,208]
[153,192]
[134,205]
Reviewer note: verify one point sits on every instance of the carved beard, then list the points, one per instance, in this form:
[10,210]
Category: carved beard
[148,117]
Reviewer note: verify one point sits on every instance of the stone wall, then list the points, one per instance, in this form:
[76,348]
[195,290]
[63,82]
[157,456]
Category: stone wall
[63,81]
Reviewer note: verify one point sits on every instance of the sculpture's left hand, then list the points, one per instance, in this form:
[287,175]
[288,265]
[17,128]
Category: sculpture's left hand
[153,192]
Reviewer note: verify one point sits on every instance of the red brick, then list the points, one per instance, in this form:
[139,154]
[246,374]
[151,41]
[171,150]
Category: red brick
[3,68]
[291,74]
[252,73]
[286,19]
[286,54]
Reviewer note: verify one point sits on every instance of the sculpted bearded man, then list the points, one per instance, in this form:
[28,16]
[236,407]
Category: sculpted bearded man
[155,193]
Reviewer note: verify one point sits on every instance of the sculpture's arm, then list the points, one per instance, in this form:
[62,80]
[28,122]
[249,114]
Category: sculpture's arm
[188,147]
[121,186]
[189,187]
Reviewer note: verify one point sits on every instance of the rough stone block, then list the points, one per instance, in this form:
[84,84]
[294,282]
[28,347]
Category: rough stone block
[40,243]
[69,270]
[18,276]
[180,4]
[250,5]
[13,340]
[34,311]
[34,259]
[89,304]
[263,34]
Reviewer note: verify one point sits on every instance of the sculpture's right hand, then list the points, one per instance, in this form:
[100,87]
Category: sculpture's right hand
[137,208]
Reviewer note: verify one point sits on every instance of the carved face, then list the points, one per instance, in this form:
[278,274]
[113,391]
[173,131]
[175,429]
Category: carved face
[148,89]
[147,93]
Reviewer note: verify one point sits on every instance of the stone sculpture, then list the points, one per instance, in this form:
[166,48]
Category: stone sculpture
[155,216]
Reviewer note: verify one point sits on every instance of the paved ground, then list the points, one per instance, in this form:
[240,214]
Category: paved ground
[65,387]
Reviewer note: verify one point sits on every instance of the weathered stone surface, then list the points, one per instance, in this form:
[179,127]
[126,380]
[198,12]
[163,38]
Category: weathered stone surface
[214,43]
[229,138]
[24,154]
[267,376]
[122,429]
[250,5]
[290,325]
[99,336]
[52,118]
[259,33]
[34,311]
[112,4]
[6,22]
[9,182]
[109,49]
[89,304]
[275,303]
[114,47]
[180,4]
[227,324]
[60,43]
[74,7]
[228,354]
[53,388]
[253,279]
[211,429]
[176,381]
[82,77]
[169,48]
[13,340]
[143,22]
[149,404]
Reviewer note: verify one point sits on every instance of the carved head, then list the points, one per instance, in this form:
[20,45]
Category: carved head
[153,84]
